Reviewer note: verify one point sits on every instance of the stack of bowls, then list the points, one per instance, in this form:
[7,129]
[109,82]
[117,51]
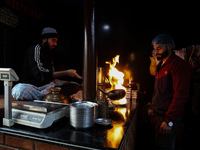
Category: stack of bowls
[82,114]
[96,109]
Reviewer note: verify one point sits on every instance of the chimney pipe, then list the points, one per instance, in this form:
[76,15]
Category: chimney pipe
[90,58]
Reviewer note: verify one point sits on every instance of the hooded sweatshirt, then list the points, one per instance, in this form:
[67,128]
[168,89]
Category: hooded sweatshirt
[38,66]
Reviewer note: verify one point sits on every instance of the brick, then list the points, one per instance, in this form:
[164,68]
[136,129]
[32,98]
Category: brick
[1,139]
[46,146]
[3,147]
[19,142]
[74,149]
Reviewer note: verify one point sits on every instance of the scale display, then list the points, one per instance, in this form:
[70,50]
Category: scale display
[28,117]
[8,74]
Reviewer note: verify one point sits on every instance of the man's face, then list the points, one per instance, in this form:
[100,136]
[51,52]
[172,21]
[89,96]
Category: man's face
[52,43]
[161,51]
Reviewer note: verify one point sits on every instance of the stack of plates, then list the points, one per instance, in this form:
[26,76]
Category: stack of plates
[82,114]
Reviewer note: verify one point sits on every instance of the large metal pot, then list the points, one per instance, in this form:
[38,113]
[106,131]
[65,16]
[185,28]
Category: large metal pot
[96,109]
[82,114]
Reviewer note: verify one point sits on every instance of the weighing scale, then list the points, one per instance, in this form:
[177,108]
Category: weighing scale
[8,75]
[39,114]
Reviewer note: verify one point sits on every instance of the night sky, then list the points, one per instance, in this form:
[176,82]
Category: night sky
[133,25]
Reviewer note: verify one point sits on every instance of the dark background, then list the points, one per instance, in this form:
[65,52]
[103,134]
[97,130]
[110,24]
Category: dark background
[132,27]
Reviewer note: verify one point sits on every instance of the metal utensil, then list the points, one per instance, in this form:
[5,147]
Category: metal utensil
[103,121]
[116,94]
[82,114]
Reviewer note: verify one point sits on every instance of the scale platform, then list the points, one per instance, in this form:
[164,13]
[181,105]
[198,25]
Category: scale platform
[39,114]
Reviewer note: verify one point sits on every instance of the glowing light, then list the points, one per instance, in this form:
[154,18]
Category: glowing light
[106,27]
[132,56]
[115,135]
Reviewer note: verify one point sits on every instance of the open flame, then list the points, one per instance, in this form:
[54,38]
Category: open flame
[116,78]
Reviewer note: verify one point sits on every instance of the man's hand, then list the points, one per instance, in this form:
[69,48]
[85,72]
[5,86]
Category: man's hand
[164,128]
[72,73]
[64,73]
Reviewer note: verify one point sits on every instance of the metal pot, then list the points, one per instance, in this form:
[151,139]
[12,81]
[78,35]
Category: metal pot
[55,96]
[82,114]
[96,109]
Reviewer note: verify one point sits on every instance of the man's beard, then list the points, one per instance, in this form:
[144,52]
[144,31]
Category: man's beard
[163,55]
[47,46]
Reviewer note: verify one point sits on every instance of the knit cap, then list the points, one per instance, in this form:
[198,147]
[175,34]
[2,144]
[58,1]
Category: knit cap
[49,32]
[163,40]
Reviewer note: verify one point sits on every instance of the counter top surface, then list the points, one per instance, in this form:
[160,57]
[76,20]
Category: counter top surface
[98,136]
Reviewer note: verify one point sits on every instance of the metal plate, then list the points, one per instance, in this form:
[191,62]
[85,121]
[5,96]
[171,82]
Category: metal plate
[103,121]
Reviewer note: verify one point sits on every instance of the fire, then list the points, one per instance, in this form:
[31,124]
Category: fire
[116,77]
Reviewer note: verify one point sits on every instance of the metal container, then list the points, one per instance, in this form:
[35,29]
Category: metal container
[101,83]
[82,114]
[103,108]
[55,96]
[96,109]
